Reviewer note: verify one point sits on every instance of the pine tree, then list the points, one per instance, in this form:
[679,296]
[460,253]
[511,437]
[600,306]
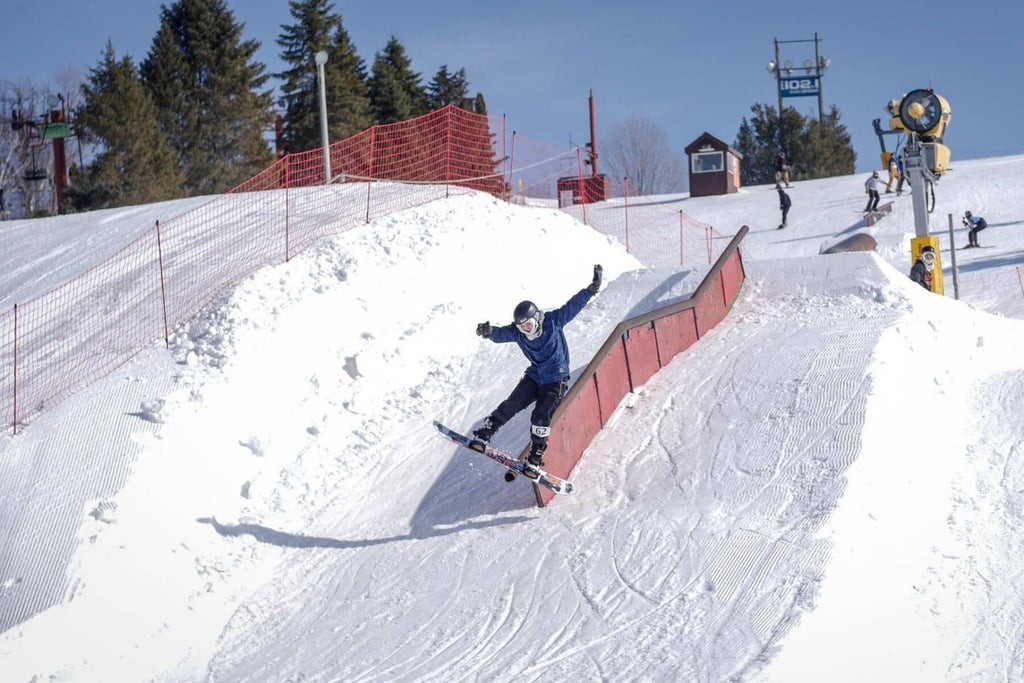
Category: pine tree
[205,83]
[479,106]
[833,146]
[449,88]
[817,149]
[453,88]
[136,164]
[345,80]
[396,93]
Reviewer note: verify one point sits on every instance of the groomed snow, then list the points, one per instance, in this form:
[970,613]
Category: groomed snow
[828,486]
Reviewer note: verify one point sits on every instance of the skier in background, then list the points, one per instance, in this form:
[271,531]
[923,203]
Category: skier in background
[975,224]
[871,187]
[782,166]
[894,175]
[902,174]
[784,203]
[921,271]
[540,338]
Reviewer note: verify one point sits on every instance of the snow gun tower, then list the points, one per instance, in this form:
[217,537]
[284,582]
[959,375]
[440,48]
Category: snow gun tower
[923,115]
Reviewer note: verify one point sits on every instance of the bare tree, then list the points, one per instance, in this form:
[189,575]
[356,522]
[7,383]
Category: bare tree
[25,164]
[638,149]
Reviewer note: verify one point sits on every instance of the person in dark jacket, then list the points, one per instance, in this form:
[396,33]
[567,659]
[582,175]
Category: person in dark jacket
[540,338]
[784,203]
[782,166]
[902,174]
[974,224]
[921,271]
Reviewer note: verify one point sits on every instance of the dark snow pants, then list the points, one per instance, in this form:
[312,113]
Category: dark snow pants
[547,398]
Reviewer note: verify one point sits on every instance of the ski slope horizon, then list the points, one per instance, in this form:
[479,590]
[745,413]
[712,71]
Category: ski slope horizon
[827,486]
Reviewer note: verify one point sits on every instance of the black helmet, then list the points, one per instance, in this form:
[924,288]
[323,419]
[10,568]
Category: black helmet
[967,213]
[528,319]
[524,311]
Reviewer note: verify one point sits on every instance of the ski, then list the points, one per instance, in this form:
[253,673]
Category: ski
[514,466]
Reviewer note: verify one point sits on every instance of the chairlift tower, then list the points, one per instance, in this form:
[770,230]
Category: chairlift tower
[52,126]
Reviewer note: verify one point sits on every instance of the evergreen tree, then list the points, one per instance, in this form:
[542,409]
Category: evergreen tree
[204,81]
[453,88]
[833,147]
[396,93]
[816,149]
[345,80]
[135,164]
[449,88]
[479,106]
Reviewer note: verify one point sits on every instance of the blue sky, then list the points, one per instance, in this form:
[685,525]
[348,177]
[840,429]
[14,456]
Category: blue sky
[690,67]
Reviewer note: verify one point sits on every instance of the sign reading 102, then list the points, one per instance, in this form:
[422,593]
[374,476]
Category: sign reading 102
[798,87]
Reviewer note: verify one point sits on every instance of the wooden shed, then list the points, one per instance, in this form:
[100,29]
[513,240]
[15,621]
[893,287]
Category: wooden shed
[714,167]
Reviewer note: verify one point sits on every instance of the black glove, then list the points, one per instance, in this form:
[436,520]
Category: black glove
[484,329]
[596,284]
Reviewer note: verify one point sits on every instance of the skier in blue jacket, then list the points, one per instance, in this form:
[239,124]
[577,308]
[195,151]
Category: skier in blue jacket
[540,338]
[974,225]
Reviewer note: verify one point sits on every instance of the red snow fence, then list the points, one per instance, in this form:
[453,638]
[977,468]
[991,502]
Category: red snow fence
[635,350]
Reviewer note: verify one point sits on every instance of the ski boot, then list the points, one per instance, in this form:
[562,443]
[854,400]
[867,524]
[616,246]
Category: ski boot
[534,461]
[482,436]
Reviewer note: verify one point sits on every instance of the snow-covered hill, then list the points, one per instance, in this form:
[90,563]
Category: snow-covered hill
[825,487]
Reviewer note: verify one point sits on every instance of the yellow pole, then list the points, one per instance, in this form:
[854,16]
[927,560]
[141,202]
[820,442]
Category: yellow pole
[919,243]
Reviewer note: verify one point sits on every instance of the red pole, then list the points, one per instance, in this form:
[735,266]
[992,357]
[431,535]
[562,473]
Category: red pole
[625,212]
[14,371]
[287,228]
[448,135]
[680,237]
[593,138]
[163,288]
[511,164]
[580,186]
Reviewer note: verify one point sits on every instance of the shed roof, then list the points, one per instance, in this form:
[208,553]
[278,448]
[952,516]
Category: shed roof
[708,138]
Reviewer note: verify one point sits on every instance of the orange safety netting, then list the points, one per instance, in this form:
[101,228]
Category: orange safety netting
[83,330]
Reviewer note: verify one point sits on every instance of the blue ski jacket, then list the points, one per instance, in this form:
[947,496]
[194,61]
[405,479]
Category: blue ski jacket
[549,353]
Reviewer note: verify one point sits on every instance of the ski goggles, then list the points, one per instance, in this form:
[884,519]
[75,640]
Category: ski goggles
[527,326]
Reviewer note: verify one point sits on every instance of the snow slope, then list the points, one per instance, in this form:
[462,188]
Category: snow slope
[826,487]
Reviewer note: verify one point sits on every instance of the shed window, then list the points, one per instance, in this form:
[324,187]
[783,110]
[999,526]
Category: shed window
[707,162]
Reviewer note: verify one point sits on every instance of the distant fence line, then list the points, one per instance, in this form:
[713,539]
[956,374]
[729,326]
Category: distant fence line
[86,328]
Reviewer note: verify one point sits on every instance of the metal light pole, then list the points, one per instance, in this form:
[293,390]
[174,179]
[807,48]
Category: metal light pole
[775,68]
[818,66]
[321,59]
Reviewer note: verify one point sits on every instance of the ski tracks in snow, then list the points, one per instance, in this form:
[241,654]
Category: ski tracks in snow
[721,569]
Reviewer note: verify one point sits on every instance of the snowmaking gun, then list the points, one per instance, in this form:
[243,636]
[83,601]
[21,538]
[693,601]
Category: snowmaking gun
[923,116]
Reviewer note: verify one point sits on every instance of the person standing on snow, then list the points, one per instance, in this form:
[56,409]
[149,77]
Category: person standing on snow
[921,271]
[782,166]
[975,224]
[871,187]
[540,338]
[902,174]
[784,203]
[894,175]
